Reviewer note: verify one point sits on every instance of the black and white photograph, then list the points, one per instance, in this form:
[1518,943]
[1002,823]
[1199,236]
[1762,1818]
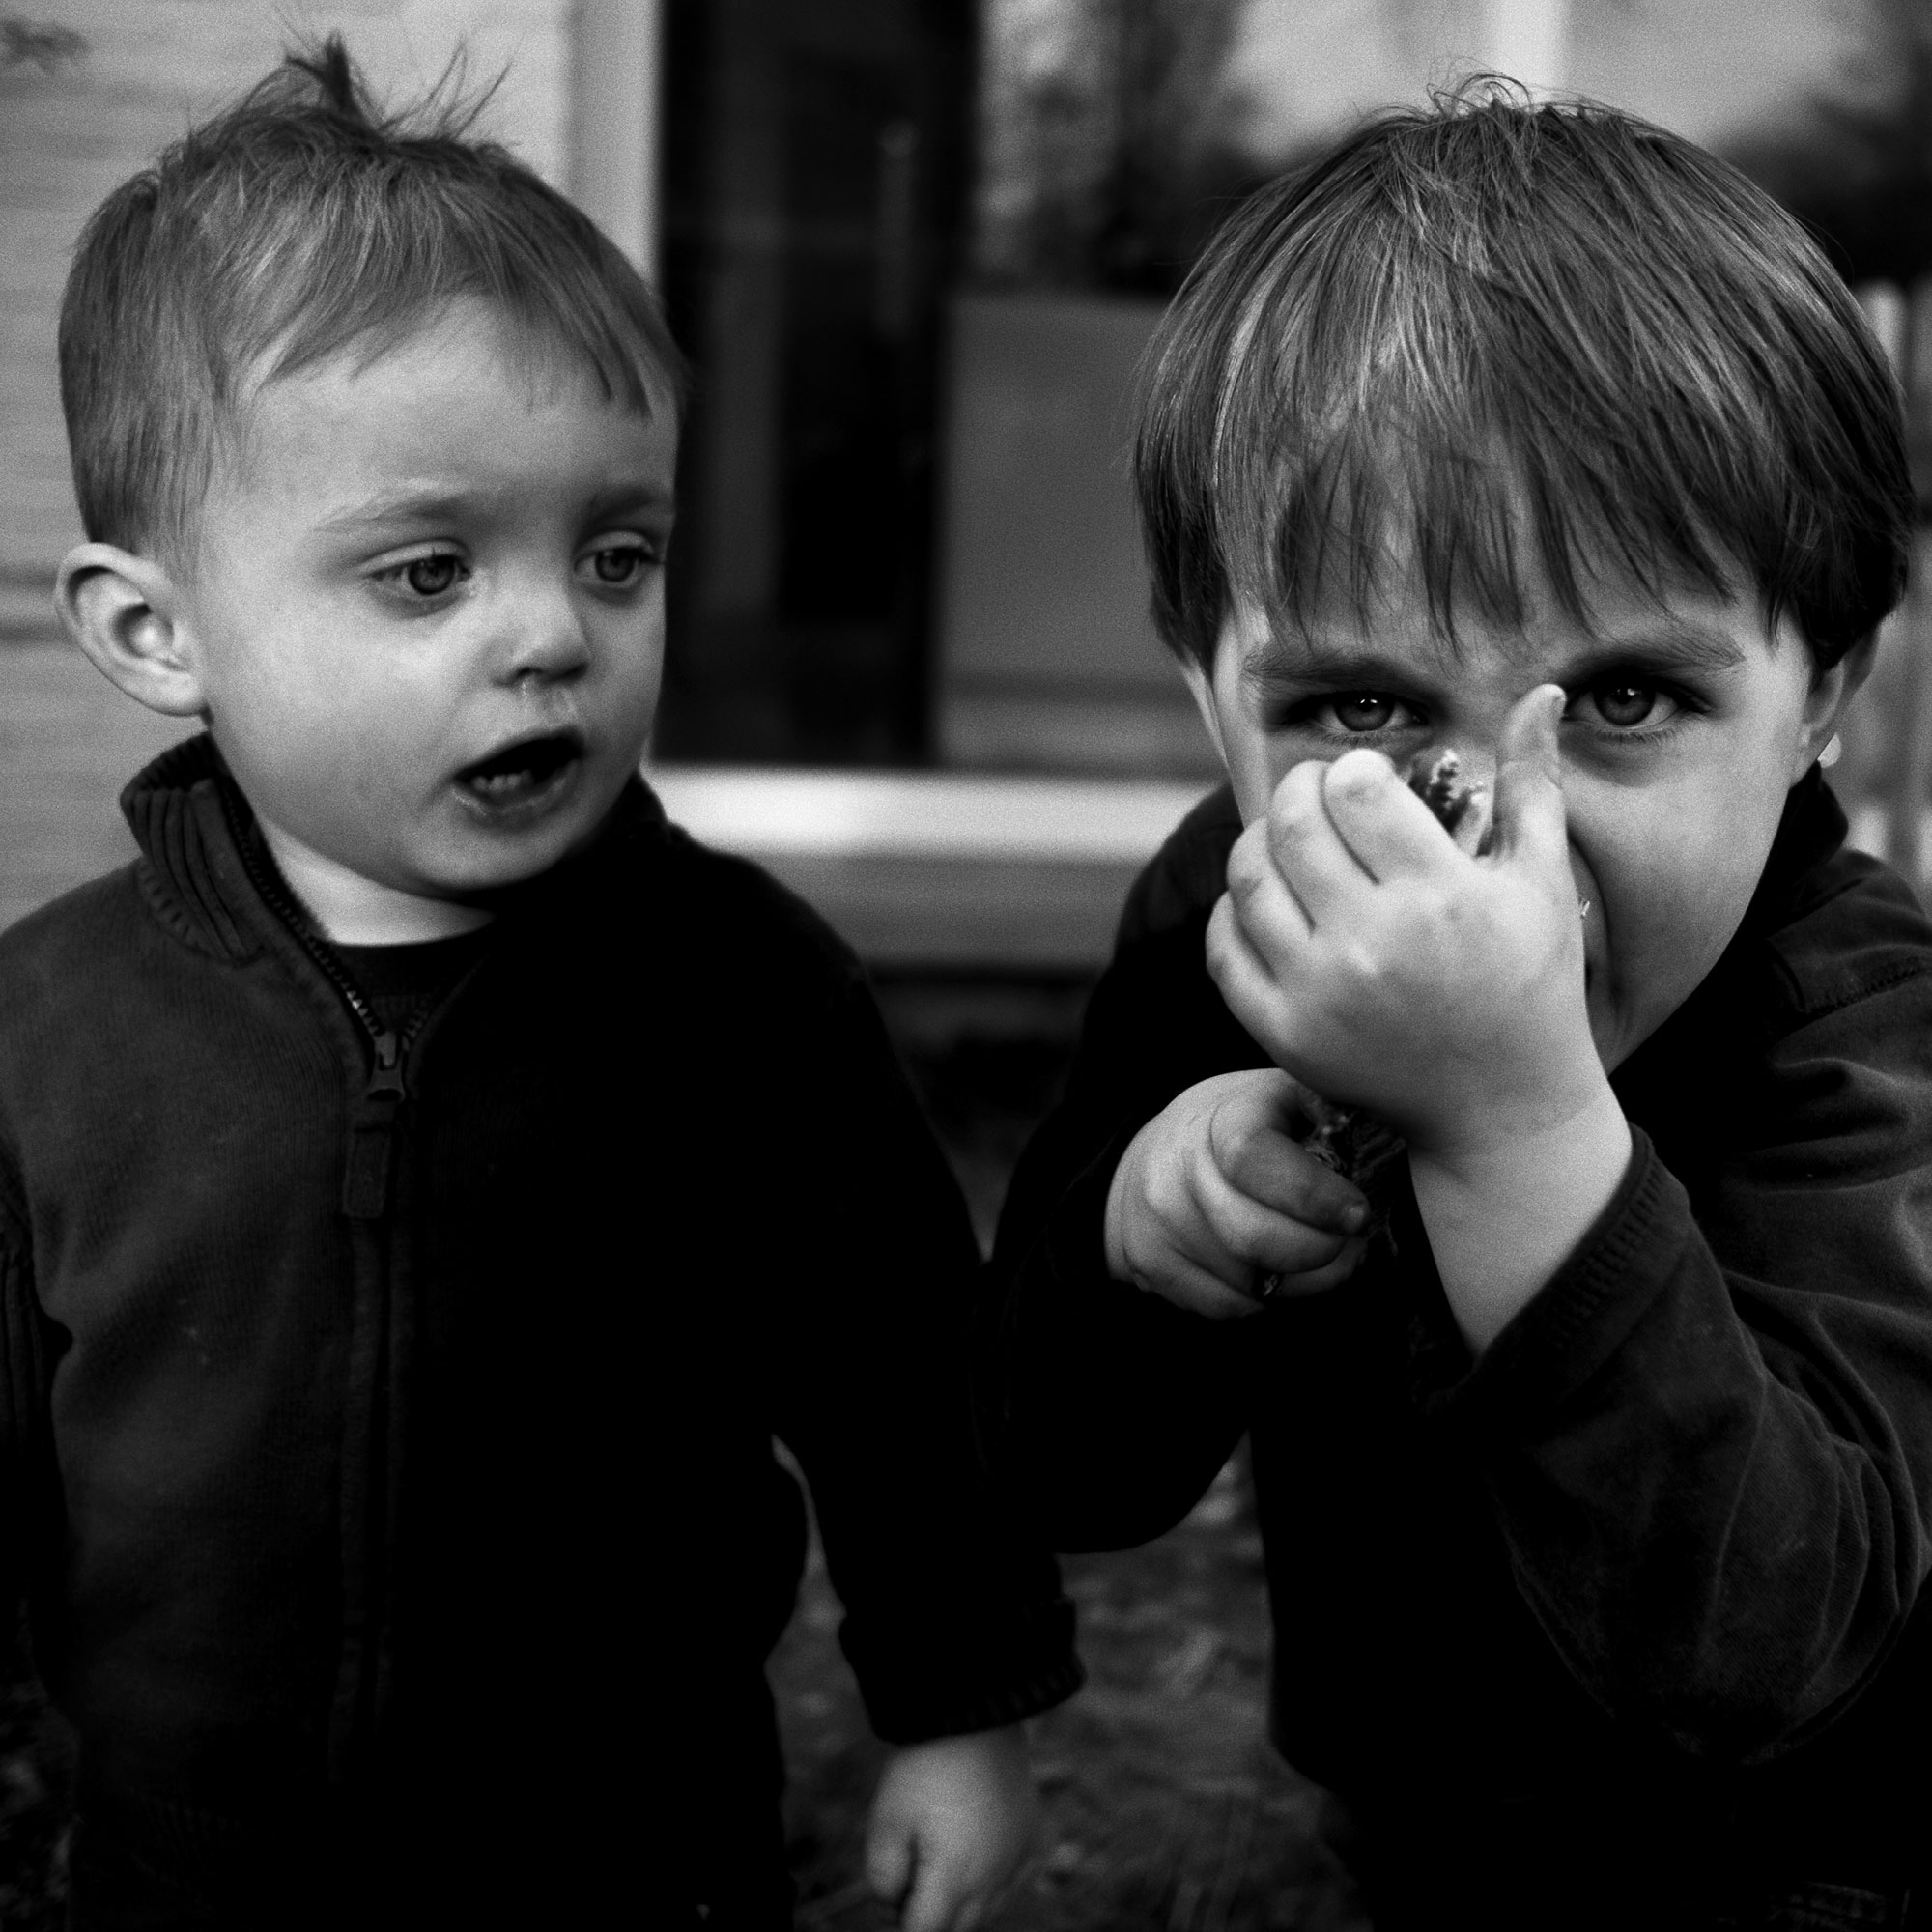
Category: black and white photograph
[964,965]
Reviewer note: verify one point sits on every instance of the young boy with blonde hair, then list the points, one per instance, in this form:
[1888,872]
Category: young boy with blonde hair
[1592,1442]
[428,1179]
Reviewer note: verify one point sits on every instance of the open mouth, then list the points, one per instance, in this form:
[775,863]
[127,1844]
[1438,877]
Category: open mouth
[523,770]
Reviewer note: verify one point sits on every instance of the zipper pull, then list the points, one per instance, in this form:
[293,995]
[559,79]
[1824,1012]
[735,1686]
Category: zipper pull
[387,1080]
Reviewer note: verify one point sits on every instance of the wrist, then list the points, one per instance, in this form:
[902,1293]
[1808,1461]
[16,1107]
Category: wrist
[1505,1208]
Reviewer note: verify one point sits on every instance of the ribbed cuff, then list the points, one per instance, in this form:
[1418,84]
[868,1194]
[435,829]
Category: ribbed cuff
[952,1681]
[1572,1325]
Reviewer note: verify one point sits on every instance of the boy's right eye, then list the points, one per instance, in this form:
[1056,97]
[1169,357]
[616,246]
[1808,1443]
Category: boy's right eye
[1355,714]
[422,580]
[1363,711]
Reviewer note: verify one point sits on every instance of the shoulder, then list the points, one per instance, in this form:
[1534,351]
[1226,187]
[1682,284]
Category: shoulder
[720,930]
[70,975]
[735,904]
[1857,930]
[1183,879]
[67,946]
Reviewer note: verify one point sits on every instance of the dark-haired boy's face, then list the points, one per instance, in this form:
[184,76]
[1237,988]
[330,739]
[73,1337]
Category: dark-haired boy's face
[1686,729]
[429,613]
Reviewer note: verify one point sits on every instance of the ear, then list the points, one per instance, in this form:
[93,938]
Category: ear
[1831,690]
[125,612]
[1201,684]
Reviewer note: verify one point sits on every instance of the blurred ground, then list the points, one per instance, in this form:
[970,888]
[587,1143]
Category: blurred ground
[1167,1810]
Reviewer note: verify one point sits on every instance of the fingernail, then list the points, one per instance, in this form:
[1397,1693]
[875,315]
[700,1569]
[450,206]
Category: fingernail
[1354,1217]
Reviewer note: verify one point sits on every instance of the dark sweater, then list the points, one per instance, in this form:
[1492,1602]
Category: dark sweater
[387,1453]
[1627,1617]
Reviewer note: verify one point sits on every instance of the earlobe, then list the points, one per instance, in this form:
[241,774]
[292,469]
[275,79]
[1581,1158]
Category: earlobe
[1831,691]
[122,611]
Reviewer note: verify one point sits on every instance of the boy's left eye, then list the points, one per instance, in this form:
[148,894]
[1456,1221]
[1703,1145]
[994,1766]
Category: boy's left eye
[617,566]
[1626,702]
[430,575]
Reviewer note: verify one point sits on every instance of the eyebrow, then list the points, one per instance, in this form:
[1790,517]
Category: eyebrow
[1272,664]
[1668,645]
[1671,646]
[435,505]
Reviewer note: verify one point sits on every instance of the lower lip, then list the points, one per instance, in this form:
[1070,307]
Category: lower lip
[510,811]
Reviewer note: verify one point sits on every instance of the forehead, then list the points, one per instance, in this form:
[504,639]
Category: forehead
[462,395]
[445,347]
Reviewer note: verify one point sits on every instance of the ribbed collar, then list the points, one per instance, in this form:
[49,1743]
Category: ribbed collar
[1811,830]
[196,833]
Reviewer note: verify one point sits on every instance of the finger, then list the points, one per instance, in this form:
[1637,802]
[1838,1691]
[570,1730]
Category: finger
[1279,1246]
[1388,830]
[1218,1296]
[1273,1170]
[1320,1279]
[1306,850]
[1253,1235]
[928,1906]
[1263,898]
[1214,1240]
[889,1848]
[1246,979]
[1529,815]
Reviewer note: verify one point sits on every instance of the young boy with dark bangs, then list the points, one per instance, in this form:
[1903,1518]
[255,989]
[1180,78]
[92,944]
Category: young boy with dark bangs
[428,1179]
[1594,1461]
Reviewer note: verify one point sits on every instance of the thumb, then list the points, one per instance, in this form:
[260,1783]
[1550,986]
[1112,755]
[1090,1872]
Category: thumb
[1530,816]
[889,1854]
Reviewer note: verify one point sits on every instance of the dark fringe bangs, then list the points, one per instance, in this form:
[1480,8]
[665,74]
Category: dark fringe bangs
[1506,354]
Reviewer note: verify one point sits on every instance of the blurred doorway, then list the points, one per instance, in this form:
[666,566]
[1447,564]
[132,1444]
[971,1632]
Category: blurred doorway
[815,184]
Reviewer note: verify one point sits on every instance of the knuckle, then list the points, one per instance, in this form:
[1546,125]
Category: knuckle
[1295,806]
[1248,869]
[1357,777]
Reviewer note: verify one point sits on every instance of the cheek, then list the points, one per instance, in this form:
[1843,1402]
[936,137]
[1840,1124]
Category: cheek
[1669,892]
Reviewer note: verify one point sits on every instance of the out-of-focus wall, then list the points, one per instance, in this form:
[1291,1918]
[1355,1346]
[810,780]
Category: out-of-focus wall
[1114,135]
[115,82]
[1708,69]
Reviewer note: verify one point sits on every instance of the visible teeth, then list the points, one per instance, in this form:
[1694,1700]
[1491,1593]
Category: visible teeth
[502,781]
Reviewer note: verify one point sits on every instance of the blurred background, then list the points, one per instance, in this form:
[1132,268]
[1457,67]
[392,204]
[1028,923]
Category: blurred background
[912,249]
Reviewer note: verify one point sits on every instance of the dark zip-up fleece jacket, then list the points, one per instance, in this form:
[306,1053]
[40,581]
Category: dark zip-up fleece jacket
[1623,1624]
[385,1435]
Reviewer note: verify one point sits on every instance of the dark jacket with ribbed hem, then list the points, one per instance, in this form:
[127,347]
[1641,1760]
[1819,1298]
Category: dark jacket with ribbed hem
[1622,1625]
[385,1449]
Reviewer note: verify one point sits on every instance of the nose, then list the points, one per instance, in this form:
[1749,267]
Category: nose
[545,638]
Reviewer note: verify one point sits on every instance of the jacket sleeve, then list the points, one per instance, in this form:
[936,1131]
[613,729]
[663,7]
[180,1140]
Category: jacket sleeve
[26,1360]
[1709,1439]
[954,1618]
[1107,1410]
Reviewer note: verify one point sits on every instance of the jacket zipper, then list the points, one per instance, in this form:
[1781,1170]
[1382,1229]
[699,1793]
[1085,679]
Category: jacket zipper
[365,1182]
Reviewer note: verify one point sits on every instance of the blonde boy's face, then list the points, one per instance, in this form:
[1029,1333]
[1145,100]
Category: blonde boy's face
[1686,729]
[427,613]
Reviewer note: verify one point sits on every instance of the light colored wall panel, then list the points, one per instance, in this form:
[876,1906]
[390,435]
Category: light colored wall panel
[152,68]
